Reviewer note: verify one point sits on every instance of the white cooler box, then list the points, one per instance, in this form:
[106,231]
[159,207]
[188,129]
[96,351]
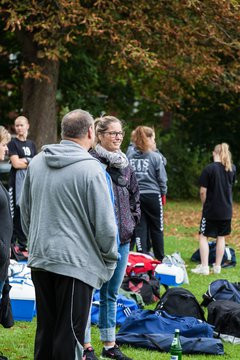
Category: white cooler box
[22,295]
[171,275]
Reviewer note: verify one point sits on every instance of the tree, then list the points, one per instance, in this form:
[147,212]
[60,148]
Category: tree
[165,48]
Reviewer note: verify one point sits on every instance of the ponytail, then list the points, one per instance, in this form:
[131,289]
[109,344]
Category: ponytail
[140,137]
[225,155]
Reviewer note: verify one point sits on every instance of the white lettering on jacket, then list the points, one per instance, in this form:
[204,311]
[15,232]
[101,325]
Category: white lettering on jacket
[140,166]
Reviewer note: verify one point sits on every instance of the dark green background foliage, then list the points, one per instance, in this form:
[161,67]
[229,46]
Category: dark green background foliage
[156,86]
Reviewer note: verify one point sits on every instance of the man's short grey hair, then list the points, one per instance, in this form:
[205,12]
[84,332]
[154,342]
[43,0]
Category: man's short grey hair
[75,124]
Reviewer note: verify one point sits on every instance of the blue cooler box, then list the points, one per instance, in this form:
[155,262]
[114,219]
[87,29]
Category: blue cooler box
[22,295]
[23,310]
[171,275]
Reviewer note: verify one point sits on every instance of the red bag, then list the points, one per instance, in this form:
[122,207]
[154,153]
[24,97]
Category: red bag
[140,263]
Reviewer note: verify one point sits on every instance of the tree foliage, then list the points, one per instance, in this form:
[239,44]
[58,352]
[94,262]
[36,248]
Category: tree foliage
[160,50]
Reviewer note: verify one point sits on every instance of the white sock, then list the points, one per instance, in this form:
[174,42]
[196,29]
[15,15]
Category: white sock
[108,347]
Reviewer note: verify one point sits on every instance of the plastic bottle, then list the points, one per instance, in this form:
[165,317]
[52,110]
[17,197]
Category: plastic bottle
[176,348]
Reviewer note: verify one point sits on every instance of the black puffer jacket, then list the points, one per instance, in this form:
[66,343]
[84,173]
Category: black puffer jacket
[127,199]
[6,229]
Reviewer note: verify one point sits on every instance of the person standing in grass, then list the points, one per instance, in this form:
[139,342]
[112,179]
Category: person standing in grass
[149,168]
[6,225]
[6,230]
[216,183]
[21,151]
[109,137]
[68,216]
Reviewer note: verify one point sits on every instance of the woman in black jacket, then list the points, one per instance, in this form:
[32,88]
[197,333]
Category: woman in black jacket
[109,136]
[6,227]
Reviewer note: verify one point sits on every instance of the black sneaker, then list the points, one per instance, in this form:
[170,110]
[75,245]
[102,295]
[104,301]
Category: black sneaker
[114,353]
[2,357]
[89,354]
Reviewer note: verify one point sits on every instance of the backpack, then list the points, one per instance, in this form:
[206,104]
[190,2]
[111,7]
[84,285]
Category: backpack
[147,285]
[140,263]
[229,257]
[224,315]
[180,301]
[221,289]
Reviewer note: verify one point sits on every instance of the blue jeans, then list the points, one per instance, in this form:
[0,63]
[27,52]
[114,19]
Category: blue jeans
[108,300]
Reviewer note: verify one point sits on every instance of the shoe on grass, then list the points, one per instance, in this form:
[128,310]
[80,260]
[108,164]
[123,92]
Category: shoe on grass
[114,353]
[2,357]
[216,269]
[89,354]
[200,269]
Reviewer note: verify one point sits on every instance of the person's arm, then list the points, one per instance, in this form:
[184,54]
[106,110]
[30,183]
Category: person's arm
[203,194]
[18,163]
[161,176]
[134,197]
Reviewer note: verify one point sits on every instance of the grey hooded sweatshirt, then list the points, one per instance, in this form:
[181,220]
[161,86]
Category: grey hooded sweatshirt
[149,170]
[67,214]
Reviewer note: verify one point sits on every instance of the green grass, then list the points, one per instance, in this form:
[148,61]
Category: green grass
[181,229]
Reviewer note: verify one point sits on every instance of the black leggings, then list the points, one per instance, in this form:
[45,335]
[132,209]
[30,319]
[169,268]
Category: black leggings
[151,224]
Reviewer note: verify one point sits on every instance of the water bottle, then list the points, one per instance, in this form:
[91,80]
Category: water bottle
[176,348]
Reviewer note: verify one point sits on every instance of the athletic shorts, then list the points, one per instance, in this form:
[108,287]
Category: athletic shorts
[215,228]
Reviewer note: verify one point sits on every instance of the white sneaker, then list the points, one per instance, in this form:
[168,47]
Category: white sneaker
[200,269]
[216,269]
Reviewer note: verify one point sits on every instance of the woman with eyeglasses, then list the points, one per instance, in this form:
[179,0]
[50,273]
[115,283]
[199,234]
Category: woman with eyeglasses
[109,137]
[152,179]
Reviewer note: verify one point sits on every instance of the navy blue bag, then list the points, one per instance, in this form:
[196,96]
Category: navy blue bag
[222,289]
[155,322]
[162,342]
[229,257]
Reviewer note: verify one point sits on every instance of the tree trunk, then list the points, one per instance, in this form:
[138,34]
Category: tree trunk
[39,94]
[39,105]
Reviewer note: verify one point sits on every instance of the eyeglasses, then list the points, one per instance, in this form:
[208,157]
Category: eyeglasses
[115,133]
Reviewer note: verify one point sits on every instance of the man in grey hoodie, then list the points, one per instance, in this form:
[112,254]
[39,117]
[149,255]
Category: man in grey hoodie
[68,217]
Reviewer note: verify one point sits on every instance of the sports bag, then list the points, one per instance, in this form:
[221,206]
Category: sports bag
[162,342]
[155,322]
[133,296]
[147,285]
[221,289]
[139,263]
[180,301]
[229,257]
[225,316]
[125,307]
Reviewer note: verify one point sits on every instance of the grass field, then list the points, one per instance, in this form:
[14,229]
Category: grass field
[181,228]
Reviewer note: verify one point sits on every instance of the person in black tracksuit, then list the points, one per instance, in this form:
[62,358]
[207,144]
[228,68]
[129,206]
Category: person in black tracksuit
[149,168]
[216,183]
[21,151]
